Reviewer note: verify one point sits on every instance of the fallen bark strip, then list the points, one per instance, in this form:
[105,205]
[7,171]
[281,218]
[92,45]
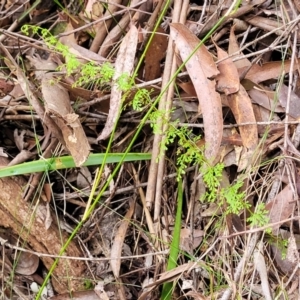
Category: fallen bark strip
[28,222]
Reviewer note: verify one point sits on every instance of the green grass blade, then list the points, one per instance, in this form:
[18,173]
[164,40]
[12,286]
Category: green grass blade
[64,162]
[174,248]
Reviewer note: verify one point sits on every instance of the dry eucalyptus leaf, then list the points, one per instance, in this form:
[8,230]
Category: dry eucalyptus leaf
[294,106]
[190,239]
[267,24]
[188,87]
[28,89]
[241,106]
[202,69]
[228,80]
[117,245]
[81,53]
[265,99]
[234,47]
[167,277]
[123,66]
[57,102]
[270,70]
[281,207]
[156,52]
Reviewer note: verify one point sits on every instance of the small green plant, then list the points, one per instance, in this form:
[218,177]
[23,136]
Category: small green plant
[280,243]
[93,74]
[212,178]
[140,99]
[88,284]
[188,153]
[260,217]
[90,72]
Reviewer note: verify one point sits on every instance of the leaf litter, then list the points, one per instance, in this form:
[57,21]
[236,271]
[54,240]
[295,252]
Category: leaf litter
[237,100]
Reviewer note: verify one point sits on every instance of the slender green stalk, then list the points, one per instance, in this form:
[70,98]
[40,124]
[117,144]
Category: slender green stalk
[174,247]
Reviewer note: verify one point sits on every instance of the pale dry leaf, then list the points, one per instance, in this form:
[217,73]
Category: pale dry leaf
[284,265]
[260,265]
[35,288]
[212,210]
[262,115]
[188,87]
[148,260]
[229,158]
[2,152]
[202,69]
[281,207]
[27,263]
[19,139]
[234,47]
[28,89]
[187,284]
[107,172]
[116,249]
[84,178]
[241,107]
[265,99]
[48,220]
[21,157]
[228,80]
[57,102]
[171,274]
[81,53]
[84,54]
[123,66]
[294,105]
[93,9]
[167,277]
[186,42]
[270,70]
[244,158]
[190,239]
[292,250]
[17,91]
[72,119]
[267,24]
[99,290]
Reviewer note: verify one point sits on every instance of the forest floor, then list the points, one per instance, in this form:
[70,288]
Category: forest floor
[149,149]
